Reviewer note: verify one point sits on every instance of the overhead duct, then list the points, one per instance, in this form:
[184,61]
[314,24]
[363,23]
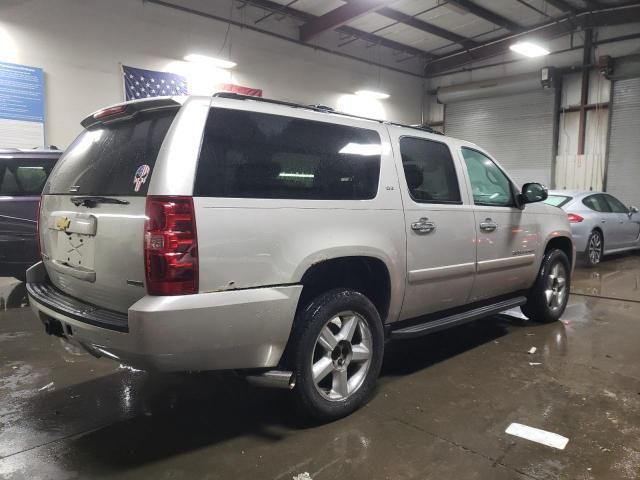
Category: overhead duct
[490,88]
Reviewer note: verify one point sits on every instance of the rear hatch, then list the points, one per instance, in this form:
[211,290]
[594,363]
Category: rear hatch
[93,206]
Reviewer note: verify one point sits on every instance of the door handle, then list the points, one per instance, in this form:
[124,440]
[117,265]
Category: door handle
[488,225]
[423,226]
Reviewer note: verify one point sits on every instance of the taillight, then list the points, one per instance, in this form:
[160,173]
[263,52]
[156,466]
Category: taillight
[574,218]
[38,228]
[170,246]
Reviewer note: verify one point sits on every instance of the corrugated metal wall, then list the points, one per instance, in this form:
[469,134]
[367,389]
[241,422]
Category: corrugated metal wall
[623,172]
[516,129]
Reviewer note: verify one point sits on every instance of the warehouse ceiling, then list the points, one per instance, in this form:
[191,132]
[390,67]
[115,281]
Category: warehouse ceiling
[421,37]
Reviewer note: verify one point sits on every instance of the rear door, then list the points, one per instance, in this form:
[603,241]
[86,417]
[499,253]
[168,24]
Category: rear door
[507,236]
[439,225]
[93,207]
[628,224]
[609,222]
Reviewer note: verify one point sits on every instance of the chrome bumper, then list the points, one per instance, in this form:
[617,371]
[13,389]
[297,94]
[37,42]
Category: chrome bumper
[239,329]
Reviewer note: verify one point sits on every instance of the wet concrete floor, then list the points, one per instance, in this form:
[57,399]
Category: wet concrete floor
[440,411]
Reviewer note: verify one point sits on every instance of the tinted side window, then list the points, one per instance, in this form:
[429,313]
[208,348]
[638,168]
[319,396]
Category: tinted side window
[597,203]
[489,185]
[257,155]
[429,171]
[25,178]
[616,205]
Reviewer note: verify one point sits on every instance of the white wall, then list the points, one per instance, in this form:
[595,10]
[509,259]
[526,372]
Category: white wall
[80,44]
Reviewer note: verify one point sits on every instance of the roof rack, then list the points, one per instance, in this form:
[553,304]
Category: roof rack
[322,109]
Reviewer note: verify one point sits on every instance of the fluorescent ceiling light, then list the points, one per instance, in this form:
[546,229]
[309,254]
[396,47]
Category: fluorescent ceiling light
[215,62]
[372,94]
[361,149]
[296,175]
[529,49]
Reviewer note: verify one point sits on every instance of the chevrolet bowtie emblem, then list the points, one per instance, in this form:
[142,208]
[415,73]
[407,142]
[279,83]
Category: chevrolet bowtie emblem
[63,223]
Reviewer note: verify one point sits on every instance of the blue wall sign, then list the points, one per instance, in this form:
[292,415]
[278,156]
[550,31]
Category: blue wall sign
[21,106]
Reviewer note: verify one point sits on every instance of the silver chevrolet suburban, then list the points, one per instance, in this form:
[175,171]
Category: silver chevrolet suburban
[285,242]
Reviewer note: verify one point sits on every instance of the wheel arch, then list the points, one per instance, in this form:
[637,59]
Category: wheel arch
[563,243]
[368,275]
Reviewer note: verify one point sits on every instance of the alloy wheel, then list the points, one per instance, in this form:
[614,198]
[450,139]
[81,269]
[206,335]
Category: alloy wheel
[342,356]
[556,287]
[595,249]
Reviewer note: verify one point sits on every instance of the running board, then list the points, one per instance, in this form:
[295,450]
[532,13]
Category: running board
[431,326]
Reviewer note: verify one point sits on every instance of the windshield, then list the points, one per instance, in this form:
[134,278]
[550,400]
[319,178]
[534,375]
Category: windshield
[113,159]
[557,200]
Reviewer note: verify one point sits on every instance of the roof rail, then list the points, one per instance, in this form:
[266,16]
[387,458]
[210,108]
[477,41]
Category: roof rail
[322,109]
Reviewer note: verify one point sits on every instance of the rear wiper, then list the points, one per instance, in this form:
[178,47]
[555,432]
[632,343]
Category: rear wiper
[92,200]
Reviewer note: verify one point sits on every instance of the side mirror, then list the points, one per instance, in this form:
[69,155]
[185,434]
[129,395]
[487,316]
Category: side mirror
[533,192]
[633,210]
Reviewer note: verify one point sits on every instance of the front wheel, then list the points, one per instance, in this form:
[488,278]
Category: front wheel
[548,297]
[338,345]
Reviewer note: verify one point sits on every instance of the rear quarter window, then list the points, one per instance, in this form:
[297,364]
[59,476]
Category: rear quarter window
[104,159]
[557,200]
[258,155]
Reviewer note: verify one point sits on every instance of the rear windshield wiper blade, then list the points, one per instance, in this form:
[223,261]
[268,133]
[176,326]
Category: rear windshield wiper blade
[92,200]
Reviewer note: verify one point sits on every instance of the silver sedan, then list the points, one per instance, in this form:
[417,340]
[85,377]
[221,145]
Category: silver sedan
[600,223]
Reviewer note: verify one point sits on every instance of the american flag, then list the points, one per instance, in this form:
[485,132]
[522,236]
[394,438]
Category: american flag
[139,83]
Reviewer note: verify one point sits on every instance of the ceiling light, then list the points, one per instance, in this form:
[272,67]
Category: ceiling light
[214,62]
[529,49]
[372,94]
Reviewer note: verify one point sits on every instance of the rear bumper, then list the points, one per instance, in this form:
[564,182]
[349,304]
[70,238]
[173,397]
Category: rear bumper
[237,329]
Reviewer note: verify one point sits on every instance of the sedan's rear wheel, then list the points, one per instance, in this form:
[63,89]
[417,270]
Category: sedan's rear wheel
[593,255]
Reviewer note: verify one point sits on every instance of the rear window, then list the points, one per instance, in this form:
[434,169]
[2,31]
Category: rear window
[557,200]
[24,176]
[257,155]
[113,159]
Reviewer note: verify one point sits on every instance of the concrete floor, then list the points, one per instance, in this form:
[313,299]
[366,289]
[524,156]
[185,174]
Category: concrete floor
[440,411]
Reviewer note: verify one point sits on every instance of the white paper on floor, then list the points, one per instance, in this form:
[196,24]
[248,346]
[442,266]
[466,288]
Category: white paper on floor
[549,439]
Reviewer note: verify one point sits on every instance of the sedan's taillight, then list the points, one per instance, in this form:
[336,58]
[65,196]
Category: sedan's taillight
[574,218]
[170,246]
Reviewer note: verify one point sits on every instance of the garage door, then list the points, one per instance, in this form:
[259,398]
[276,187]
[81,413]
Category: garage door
[623,172]
[516,129]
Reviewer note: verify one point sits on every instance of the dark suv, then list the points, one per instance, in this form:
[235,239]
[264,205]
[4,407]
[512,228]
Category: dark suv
[23,173]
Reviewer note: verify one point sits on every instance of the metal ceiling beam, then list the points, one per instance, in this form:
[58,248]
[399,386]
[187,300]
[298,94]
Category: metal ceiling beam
[426,27]
[592,4]
[385,42]
[338,17]
[560,27]
[283,9]
[346,30]
[282,37]
[487,15]
[562,5]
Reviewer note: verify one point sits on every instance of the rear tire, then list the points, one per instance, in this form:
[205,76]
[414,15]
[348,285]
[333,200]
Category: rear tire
[594,250]
[337,349]
[549,295]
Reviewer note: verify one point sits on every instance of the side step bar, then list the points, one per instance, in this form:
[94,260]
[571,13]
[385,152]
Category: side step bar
[431,326]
